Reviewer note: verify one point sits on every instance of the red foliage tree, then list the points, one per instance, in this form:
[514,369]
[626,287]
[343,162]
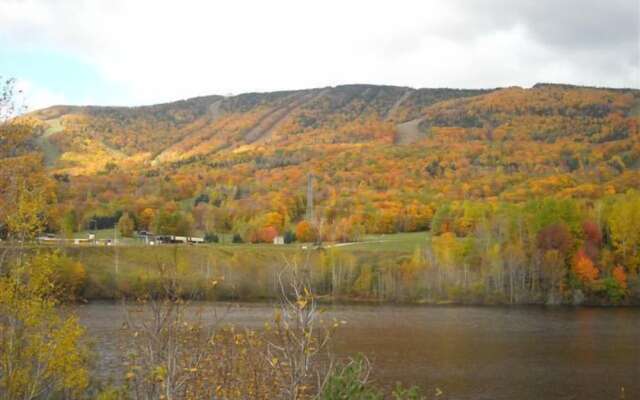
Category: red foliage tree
[592,232]
[555,237]
[593,239]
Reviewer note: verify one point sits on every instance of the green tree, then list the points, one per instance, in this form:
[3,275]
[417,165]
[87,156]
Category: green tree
[69,223]
[126,225]
[625,230]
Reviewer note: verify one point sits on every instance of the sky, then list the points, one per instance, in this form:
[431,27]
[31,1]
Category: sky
[125,52]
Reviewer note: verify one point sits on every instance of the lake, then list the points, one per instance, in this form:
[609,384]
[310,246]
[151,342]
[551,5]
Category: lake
[464,352]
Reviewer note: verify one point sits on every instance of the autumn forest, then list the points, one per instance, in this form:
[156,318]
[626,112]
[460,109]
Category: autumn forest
[516,195]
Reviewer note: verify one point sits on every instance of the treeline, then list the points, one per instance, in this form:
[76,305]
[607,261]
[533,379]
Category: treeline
[548,251]
[552,251]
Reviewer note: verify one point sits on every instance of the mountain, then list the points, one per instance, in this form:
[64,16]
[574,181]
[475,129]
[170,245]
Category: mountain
[389,150]
[209,125]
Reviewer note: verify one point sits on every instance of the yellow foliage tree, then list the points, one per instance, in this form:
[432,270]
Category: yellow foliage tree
[41,355]
[126,225]
[625,231]
[146,217]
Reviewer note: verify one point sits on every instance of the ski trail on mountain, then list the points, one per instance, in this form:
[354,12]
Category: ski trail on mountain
[50,151]
[264,129]
[181,145]
[394,108]
[409,132]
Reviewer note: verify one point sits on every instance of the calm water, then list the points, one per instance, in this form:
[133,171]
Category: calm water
[466,352]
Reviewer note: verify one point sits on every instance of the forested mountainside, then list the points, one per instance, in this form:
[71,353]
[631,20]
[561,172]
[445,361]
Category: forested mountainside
[380,148]
[526,193]
[206,127]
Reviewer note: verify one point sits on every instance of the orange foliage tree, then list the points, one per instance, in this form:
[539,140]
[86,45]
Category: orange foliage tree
[584,268]
[305,232]
[620,276]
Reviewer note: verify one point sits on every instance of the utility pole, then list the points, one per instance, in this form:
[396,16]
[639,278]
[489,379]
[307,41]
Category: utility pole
[310,213]
[115,248]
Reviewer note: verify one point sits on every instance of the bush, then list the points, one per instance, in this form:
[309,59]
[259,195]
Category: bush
[614,291]
[289,237]
[237,238]
[350,381]
[203,198]
[68,275]
[211,237]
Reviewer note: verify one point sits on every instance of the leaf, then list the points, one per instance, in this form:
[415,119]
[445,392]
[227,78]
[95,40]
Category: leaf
[302,303]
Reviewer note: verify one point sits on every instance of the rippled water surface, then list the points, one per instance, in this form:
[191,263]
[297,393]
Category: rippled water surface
[465,352]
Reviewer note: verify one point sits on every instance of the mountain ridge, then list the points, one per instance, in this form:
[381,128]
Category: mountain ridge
[509,143]
[267,108]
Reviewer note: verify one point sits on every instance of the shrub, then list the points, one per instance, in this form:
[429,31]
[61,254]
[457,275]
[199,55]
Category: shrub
[211,237]
[614,291]
[350,381]
[237,238]
[289,237]
[203,198]
[68,275]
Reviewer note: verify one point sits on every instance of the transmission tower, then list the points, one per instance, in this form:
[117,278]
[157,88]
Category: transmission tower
[310,214]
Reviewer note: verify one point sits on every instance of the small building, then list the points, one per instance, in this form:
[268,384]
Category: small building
[172,239]
[278,240]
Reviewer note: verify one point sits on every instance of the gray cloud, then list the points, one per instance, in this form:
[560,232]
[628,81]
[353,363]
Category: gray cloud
[563,25]
[574,24]
[167,50]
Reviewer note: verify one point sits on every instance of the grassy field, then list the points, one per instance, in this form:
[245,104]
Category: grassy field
[405,242]
[245,271]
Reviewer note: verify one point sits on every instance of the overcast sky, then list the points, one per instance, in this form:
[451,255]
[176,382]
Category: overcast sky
[127,52]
